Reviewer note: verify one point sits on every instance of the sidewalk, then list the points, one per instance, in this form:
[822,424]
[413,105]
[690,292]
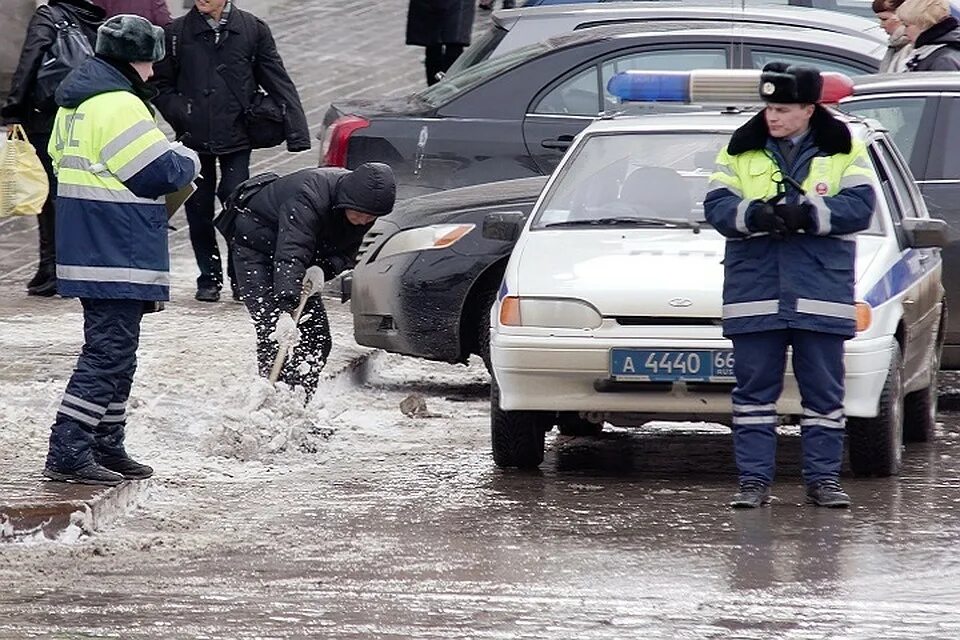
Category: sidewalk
[197,401]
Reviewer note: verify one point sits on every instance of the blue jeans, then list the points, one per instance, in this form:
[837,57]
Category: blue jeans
[759,364]
[93,409]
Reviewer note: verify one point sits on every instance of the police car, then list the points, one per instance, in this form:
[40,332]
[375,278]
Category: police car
[609,310]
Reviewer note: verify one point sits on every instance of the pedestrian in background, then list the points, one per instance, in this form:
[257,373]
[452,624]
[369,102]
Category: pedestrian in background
[218,59]
[156,11]
[310,217]
[899,47]
[31,104]
[935,35]
[444,28]
[789,191]
[115,166]
[488,6]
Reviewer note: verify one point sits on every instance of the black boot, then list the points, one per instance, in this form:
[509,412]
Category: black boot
[90,473]
[109,452]
[207,294]
[70,456]
[752,494]
[44,282]
[827,493]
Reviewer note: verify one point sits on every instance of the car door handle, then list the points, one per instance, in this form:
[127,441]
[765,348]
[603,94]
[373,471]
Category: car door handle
[560,142]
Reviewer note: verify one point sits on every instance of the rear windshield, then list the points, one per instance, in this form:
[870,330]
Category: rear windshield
[480,50]
[453,85]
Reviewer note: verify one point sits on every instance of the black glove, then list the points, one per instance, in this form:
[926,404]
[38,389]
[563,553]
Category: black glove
[761,216]
[796,216]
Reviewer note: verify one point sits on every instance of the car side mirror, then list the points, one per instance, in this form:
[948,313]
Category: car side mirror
[926,233]
[504,226]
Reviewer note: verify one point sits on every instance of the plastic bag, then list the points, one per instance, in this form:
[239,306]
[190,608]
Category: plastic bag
[23,182]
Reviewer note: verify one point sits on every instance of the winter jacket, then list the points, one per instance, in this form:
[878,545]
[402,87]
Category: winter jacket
[440,22]
[206,86]
[806,279]
[114,166]
[156,11]
[937,48]
[898,52]
[298,221]
[22,103]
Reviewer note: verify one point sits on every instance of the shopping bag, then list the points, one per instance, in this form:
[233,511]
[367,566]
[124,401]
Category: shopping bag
[23,182]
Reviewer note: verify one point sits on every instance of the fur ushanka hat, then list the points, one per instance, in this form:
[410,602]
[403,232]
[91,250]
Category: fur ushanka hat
[131,39]
[790,84]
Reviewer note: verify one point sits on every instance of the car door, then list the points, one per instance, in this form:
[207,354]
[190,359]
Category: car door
[567,105]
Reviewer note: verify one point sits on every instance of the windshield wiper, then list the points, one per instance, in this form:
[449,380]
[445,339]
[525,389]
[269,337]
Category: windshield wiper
[628,221]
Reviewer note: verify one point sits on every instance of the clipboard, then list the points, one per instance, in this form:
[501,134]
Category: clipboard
[176,199]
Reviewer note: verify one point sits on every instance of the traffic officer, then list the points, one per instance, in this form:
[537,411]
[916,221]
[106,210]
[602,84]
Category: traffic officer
[789,191]
[309,217]
[114,167]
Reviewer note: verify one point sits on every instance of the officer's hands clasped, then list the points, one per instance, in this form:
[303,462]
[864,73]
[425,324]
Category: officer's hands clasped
[780,219]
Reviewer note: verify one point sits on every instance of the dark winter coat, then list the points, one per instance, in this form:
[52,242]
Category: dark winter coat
[440,22]
[298,221]
[156,11]
[22,104]
[937,48]
[205,87]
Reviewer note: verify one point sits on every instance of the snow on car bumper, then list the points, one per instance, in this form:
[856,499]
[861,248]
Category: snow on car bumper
[573,374]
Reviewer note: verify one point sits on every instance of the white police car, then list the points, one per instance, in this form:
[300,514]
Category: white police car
[609,310]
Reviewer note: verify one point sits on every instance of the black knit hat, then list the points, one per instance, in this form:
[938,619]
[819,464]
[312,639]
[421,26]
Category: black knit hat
[131,39]
[790,84]
[370,188]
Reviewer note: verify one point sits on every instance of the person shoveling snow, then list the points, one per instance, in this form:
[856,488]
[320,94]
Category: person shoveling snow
[290,235]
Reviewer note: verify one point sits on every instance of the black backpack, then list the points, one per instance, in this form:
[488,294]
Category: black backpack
[70,49]
[237,203]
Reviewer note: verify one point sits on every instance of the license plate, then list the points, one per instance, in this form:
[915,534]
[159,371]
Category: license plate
[656,365]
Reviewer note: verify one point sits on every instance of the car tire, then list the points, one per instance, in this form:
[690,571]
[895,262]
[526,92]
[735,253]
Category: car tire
[920,407]
[876,444]
[486,300]
[571,424]
[517,437]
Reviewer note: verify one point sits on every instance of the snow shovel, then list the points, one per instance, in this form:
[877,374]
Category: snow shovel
[312,285]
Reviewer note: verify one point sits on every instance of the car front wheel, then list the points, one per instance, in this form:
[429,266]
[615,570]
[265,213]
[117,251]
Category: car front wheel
[517,437]
[876,444]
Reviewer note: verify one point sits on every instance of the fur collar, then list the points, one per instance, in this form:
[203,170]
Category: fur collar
[830,135]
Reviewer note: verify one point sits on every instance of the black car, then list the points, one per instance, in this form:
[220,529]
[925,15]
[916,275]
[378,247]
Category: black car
[922,113]
[513,116]
[426,276]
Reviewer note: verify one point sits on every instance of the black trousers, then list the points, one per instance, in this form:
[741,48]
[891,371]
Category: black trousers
[234,169]
[46,221]
[439,58]
[303,366]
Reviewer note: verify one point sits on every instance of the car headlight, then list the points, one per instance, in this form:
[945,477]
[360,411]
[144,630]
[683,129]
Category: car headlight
[436,236]
[556,313]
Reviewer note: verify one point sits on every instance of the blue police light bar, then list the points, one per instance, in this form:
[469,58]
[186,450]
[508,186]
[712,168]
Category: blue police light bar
[709,86]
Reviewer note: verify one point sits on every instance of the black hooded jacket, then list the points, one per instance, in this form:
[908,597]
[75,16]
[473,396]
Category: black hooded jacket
[21,104]
[298,221]
[937,48]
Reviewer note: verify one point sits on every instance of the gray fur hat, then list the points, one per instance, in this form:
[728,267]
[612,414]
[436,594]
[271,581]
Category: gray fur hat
[131,39]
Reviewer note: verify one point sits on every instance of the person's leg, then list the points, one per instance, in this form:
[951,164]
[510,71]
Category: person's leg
[450,54]
[234,169]
[203,235]
[44,282]
[109,450]
[759,363]
[110,330]
[433,61]
[311,353]
[818,367]
[255,281]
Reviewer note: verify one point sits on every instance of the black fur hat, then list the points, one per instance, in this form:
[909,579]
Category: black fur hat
[131,39]
[790,84]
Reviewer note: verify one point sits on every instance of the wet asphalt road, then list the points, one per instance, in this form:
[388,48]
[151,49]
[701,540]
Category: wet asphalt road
[403,528]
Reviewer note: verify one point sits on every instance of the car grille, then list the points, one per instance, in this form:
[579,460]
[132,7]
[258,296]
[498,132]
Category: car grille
[369,240]
[666,321]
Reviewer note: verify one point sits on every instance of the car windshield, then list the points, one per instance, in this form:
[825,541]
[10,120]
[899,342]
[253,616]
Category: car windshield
[656,179]
[452,85]
[479,51]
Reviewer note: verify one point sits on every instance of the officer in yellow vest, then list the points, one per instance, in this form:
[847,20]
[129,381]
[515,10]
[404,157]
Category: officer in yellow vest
[789,192]
[114,167]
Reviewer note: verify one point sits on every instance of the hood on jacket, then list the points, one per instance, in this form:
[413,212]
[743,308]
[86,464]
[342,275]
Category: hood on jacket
[93,77]
[85,10]
[944,32]
[370,188]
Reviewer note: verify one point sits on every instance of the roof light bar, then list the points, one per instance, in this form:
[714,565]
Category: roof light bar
[710,86]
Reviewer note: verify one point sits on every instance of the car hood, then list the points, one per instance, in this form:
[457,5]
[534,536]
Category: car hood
[649,272]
